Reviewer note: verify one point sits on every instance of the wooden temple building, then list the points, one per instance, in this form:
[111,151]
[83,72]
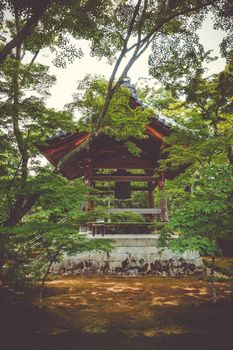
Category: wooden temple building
[125,172]
[107,165]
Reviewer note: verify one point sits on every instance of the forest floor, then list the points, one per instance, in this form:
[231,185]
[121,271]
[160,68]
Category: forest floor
[99,313]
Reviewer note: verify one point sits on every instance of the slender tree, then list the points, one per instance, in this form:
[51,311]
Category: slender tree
[136,26]
[25,120]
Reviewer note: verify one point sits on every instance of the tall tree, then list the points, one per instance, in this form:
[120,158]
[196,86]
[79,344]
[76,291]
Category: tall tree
[130,30]
[25,120]
[202,139]
[49,231]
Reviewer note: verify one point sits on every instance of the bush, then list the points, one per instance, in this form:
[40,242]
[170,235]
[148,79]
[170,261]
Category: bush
[126,216]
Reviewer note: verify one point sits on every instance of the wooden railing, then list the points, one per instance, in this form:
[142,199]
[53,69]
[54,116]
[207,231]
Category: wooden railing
[122,228]
[149,211]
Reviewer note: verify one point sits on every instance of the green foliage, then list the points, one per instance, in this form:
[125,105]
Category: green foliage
[101,213]
[127,216]
[25,123]
[177,58]
[50,230]
[32,251]
[107,23]
[58,21]
[121,120]
[188,242]
[223,11]
[33,237]
[206,216]
[203,130]
[201,140]
[93,215]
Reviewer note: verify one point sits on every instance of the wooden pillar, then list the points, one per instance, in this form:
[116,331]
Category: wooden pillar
[163,200]
[87,178]
[151,188]
[151,195]
[89,205]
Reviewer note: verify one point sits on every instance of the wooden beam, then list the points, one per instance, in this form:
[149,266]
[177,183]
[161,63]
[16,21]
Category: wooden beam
[155,133]
[65,145]
[123,164]
[112,188]
[125,178]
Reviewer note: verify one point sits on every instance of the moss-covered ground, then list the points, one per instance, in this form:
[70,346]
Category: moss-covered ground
[118,313]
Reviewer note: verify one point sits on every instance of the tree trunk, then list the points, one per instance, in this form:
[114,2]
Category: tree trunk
[3,242]
[25,31]
[23,203]
[16,214]
[212,281]
[43,283]
[18,211]
[230,154]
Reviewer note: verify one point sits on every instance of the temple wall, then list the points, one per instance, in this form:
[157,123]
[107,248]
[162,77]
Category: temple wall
[132,256]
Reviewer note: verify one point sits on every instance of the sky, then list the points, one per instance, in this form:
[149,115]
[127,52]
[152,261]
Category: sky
[62,91]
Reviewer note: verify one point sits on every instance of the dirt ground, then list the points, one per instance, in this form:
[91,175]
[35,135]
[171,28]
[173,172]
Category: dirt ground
[119,313]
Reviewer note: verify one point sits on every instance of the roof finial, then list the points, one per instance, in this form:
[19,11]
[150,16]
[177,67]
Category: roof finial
[127,83]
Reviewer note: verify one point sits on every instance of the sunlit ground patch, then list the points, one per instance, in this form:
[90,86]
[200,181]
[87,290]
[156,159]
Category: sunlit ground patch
[94,329]
[122,288]
[147,307]
[163,301]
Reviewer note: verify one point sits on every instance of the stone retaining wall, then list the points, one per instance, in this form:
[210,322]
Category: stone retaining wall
[132,257]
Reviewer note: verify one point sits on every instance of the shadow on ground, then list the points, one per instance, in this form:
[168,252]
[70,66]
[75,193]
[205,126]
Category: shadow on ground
[108,314]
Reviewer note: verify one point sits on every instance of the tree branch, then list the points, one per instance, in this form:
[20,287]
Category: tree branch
[172,16]
[10,98]
[139,48]
[26,30]
[19,211]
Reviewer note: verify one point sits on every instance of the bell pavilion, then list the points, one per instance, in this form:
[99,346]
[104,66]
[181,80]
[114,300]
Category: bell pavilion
[126,172]
[108,166]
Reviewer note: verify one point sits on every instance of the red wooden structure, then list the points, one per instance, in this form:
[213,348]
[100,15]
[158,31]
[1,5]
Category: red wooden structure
[107,153]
